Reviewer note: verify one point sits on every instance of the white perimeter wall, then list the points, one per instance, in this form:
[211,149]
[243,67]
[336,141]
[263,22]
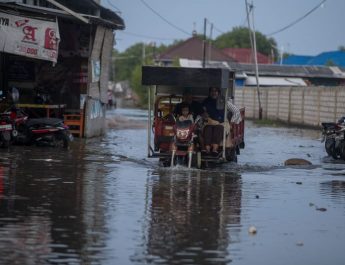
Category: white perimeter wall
[296,105]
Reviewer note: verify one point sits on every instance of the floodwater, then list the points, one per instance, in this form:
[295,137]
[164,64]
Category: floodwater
[103,202]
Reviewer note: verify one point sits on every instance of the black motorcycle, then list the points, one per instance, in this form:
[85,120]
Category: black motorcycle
[43,132]
[333,134]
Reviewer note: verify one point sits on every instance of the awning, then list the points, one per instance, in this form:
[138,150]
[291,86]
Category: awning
[275,81]
[108,18]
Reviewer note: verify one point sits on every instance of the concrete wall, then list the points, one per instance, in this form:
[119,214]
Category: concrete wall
[94,118]
[308,106]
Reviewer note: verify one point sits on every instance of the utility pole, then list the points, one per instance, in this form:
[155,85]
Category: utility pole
[143,54]
[253,42]
[204,45]
[210,43]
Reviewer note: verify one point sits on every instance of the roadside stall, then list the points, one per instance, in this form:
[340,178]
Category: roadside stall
[57,57]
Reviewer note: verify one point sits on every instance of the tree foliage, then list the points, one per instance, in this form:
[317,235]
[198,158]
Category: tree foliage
[239,38]
[127,65]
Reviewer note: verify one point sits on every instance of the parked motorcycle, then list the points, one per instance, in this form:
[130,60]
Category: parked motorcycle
[40,131]
[333,134]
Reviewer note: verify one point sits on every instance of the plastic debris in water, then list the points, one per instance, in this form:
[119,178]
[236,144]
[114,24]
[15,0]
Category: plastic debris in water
[252,230]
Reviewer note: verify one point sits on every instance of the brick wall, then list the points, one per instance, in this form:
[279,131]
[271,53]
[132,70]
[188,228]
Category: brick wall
[296,105]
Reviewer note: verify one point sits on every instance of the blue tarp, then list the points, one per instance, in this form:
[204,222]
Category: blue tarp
[332,58]
[297,59]
[336,58]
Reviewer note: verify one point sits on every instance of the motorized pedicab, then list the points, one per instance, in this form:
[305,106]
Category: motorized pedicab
[176,142]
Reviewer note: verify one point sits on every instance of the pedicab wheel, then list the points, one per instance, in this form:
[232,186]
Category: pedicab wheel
[231,155]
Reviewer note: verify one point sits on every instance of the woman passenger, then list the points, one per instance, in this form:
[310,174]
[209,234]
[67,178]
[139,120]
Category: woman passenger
[213,131]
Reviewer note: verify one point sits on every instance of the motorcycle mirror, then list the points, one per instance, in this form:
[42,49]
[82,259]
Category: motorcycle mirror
[15,94]
[341,120]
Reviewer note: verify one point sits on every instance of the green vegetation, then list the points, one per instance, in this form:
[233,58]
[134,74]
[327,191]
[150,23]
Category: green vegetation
[127,65]
[239,38]
[330,62]
[270,123]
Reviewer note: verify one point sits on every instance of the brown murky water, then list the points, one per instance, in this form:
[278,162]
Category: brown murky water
[104,202]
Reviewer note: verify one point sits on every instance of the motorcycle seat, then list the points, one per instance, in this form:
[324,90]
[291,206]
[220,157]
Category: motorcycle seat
[47,121]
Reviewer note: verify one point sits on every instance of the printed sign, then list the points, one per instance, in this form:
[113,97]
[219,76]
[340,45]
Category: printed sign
[29,37]
[96,70]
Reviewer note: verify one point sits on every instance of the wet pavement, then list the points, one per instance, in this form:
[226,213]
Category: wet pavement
[103,202]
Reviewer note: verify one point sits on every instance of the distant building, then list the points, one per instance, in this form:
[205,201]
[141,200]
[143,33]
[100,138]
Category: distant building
[190,53]
[192,49]
[245,55]
[278,75]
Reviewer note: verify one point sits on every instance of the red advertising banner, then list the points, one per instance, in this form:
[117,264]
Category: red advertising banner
[29,37]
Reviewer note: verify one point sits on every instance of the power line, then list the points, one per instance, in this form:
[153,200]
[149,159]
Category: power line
[144,36]
[216,28]
[298,20]
[113,6]
[167,21]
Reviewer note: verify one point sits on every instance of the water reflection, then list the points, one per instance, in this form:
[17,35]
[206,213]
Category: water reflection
[334,188]
[51,205]
[104,202]
[189,215]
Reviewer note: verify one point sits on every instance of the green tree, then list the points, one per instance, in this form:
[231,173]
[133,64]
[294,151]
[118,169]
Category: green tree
[239,38]
[125,62]
[127,65]
[139,89]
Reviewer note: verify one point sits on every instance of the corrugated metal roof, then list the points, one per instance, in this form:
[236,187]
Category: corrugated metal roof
[109,20]
[290,70]
[275,70]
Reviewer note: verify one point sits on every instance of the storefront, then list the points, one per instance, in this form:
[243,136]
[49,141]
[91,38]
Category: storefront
[59,60]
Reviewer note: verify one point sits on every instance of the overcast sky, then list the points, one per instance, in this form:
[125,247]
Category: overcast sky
[162,21]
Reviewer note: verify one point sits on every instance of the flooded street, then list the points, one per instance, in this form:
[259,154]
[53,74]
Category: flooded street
[104,202]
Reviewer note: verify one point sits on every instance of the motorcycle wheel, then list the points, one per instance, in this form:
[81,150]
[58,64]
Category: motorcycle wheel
[5,139]
[180,160]
[61,140]
[231,155]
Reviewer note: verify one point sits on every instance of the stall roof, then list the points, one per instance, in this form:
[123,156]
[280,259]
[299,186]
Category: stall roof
[107,18]
[186,77]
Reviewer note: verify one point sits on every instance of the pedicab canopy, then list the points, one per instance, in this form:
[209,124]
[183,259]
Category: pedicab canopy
[173,80]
